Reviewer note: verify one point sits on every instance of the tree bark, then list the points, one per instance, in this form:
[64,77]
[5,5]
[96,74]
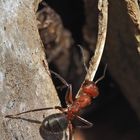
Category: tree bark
[122,46]
[24,82]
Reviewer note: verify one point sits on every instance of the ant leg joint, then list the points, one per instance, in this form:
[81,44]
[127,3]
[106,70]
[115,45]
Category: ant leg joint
[59,108]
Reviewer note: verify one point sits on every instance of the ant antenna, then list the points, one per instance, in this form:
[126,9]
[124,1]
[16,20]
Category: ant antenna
[102,75]
[83,56]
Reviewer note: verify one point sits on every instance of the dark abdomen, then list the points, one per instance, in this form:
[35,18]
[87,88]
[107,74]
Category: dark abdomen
[53,127]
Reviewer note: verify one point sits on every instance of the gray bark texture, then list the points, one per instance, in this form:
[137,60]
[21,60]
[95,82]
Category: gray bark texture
[24,82]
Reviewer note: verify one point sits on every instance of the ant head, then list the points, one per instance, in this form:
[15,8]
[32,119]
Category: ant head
[90,88]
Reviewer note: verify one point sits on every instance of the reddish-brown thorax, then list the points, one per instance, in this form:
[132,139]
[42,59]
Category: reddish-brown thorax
[88,92]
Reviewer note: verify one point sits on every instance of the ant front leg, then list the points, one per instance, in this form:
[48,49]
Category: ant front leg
[68,97]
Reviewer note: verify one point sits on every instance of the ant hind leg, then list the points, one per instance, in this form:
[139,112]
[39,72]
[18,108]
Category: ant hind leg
[87,123]
[35,110]
[70,127]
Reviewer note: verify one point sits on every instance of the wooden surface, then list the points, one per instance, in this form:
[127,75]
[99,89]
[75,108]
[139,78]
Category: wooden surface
[24,82]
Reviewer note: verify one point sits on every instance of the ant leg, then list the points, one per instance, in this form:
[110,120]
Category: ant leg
[88,124]
[102,75]
[35,110]
[68,98]
[60,78]
[56,74]
[70,127]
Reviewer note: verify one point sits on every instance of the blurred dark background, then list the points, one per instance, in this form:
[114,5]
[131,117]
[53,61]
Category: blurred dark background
[111,113]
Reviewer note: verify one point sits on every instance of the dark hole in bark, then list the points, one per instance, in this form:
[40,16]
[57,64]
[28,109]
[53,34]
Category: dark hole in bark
[110,113]
[72,15]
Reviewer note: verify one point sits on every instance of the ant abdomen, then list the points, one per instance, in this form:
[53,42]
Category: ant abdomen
[53,127]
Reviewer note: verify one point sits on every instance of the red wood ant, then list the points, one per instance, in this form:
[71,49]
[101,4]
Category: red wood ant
[57,123]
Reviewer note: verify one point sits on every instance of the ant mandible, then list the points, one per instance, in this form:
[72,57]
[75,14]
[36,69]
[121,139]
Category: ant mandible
[58,122]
